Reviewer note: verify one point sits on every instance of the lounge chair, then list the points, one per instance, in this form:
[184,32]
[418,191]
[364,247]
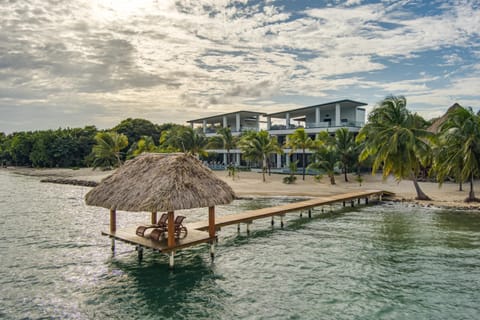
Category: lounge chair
[180,230]
[161,224]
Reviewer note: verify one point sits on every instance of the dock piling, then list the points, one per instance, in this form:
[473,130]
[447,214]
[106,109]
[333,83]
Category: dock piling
[140,253]
[310,213]
[113,245]
[273,221]
[281,221]
[171,260]
[212,251]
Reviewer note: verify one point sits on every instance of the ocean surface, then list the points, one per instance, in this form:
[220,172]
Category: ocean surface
[388,261]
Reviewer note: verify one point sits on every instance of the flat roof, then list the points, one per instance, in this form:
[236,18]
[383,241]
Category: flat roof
[219,117]
[294,113]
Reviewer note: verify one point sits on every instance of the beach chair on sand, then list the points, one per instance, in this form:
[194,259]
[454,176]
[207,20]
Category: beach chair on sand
[180,230]
[161,224]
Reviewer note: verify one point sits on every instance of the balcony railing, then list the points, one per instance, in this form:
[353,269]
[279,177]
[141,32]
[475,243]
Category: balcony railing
[323,124]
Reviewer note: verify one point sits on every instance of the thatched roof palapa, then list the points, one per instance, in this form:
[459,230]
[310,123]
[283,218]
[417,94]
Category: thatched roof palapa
[161,182]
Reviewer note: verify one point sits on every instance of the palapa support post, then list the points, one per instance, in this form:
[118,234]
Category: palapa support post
[113,220]
[211,222]
[344,203]
[248,228]
[358,200]
[273,221]
[238,228]
[281,221]
[171,229]
[310,213]
[352,203]
[366,200]
[153,219]
[113,225]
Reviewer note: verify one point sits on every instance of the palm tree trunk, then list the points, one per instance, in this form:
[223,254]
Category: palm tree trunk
[345,172]
[420,194]
[264,167]
[303,164]
[332,178]
[471,194]
[460,186]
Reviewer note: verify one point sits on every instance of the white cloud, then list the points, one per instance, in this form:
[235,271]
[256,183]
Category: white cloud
[155,57]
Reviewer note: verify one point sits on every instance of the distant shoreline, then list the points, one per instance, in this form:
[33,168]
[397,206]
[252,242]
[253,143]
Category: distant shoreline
[249,184]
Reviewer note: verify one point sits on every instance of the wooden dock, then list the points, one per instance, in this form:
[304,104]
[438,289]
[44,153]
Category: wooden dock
[248,216]
[128,235]
[197,234]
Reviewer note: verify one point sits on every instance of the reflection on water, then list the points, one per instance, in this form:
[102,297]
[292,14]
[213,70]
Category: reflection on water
[380,262]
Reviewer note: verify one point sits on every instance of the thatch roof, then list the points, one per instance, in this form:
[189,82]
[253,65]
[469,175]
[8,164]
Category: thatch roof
[161,182]
[437,123]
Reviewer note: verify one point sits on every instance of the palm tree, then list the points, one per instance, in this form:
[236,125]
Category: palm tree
[325,156]
[145,144]
[257,146]
[299,139]
[224,139]
[106,151]
[397,140]
[459,141]
[346,148]
[184,139]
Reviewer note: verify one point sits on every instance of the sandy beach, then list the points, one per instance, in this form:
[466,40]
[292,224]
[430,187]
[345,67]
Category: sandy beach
[250,184]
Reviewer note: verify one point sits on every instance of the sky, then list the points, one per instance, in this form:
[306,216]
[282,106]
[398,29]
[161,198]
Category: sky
[72,63]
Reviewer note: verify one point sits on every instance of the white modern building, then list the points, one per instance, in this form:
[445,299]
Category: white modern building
[327,117]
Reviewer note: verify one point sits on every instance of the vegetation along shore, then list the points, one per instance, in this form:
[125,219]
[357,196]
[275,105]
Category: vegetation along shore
[436,162]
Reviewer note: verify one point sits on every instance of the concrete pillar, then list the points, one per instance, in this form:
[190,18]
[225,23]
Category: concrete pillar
[257,122]
[237,158]
[269,123]
[287,120]
[171,260]
[279,160]
[204,125]
[237,116]
[225,123]
[287,160]
[317,116]
[337,115]
[171,229]
[225,159]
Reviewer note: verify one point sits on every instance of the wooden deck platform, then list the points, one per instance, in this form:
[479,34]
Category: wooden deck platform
[128,235]
[249,216]
[196,234]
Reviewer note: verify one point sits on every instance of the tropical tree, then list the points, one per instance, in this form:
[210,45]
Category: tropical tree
[224,139]
[107,149]
[257,146]
[299,140]
[398,141]
[145,144]
[459,141]
[325,156]
[184,139]
[346,148]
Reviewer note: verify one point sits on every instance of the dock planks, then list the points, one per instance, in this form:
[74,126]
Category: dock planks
[197,235]
[249,216]
[128,235]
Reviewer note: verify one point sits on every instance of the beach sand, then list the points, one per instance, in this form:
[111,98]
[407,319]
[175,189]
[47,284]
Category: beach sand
[250,184]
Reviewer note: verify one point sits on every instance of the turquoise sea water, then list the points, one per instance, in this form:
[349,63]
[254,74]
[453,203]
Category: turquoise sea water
[388,261]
